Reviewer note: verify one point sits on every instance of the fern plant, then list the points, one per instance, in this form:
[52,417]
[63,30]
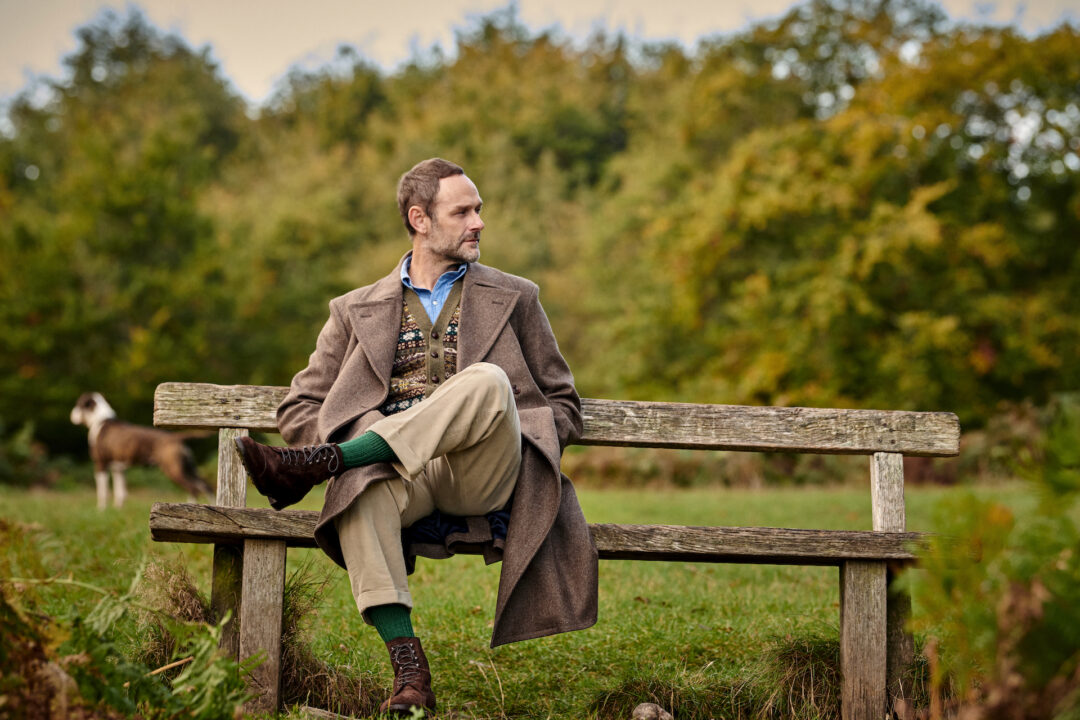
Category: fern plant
[79,661]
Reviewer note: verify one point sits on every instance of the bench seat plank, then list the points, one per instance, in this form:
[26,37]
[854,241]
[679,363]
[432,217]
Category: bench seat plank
[636,424]
[188,522]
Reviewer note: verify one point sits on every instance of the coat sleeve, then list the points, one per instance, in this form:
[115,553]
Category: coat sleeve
[549,368]
[298,414]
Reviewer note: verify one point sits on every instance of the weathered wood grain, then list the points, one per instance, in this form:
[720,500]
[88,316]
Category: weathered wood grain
[197,405]
[636,424]
[738,427]
[260,620]
[887,492]
[887,502]
[228,570]
[187,522]
[774,546]
[862,640]
[231,477]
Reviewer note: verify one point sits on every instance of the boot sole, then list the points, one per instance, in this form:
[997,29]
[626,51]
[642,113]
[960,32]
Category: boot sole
[242,453]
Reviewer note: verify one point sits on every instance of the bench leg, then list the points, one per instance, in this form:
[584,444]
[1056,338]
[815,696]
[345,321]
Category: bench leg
[225,592]
[862,640]
[887,503]
[225,595]
[260,619]
[900,645]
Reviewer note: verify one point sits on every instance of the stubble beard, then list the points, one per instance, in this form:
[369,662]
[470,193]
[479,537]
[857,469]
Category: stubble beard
[465,252]
[461,251]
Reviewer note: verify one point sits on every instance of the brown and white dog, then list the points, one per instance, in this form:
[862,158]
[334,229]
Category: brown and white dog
[116,445]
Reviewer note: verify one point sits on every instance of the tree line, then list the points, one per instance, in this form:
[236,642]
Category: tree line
[860,204]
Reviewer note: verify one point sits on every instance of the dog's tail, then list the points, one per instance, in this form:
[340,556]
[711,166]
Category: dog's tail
[196,485]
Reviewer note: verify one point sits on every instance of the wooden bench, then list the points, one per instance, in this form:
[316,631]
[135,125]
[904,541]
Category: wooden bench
[250,543]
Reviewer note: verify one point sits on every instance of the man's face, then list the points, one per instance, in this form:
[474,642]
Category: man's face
[455,220]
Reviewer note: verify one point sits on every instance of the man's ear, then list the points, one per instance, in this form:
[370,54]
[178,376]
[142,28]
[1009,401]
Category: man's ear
[419,219]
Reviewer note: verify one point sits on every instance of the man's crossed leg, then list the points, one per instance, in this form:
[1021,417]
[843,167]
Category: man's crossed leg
[458,451]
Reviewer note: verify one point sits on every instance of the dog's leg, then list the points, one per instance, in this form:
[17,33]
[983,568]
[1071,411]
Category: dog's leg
[119,486]
[101,479]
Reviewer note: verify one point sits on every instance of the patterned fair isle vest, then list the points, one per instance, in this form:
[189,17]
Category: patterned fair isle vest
[426,356]
[426,353]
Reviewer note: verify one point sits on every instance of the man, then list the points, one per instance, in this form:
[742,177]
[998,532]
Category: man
[435,401]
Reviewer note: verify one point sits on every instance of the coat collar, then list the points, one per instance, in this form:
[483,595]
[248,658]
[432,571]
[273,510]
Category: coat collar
[376,322]
[486,304]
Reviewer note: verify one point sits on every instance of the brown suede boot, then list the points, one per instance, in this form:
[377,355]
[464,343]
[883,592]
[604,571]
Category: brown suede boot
[285,475]
[412,678]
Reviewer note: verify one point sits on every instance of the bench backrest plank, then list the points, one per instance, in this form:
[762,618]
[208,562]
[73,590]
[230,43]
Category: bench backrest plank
[636,424]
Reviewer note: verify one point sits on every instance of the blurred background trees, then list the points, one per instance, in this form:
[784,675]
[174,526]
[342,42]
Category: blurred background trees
[859,204]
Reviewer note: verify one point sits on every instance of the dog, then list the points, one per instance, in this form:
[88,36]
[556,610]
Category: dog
[116,445]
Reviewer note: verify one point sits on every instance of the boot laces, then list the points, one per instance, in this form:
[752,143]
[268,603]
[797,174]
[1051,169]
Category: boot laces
[310,455]
[407,664]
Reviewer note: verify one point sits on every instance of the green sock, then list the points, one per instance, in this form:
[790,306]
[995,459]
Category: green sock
[391,621]
[367,449]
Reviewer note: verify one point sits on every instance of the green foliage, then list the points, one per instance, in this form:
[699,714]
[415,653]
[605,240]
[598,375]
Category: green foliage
[80,659]
[856,204]
[101,285]
[22,460]
[891,253]
[336,102]
[1005,602]
[792,677]
[23,648]
[695,627]
[1059,470]
[209,686]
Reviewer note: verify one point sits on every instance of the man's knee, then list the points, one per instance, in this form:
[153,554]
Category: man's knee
[493,379]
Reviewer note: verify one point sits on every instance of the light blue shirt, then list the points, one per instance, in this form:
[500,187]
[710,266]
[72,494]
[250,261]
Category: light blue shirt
[434,299]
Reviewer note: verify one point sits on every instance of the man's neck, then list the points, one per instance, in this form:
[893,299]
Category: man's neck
[425,269]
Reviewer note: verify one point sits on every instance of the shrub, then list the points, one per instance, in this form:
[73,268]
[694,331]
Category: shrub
[23,460]
[75,666]
[795,677]
[1003,607]
[169,595]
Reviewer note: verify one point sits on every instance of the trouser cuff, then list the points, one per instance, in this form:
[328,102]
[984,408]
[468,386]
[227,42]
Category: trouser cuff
[389,596]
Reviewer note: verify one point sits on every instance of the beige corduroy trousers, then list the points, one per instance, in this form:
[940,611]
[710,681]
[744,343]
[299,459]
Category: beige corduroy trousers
[459,452]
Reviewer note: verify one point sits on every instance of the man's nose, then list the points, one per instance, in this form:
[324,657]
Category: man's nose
[477,224]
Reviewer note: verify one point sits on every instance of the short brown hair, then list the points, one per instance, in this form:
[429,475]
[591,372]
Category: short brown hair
[420,185]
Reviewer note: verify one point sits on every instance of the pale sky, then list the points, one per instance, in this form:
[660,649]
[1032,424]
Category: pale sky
[257,41]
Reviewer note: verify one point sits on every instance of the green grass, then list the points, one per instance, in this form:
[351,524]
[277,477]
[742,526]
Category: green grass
[693,634]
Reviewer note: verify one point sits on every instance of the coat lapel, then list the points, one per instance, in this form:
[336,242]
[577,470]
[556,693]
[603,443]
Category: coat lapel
[376,324]
[485,309]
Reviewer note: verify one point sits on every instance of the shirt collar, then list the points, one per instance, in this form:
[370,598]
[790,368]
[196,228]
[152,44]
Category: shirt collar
[450,276]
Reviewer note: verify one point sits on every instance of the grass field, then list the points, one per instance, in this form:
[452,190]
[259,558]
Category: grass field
[677,631]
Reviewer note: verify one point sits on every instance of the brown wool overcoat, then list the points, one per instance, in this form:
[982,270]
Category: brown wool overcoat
[548,581]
